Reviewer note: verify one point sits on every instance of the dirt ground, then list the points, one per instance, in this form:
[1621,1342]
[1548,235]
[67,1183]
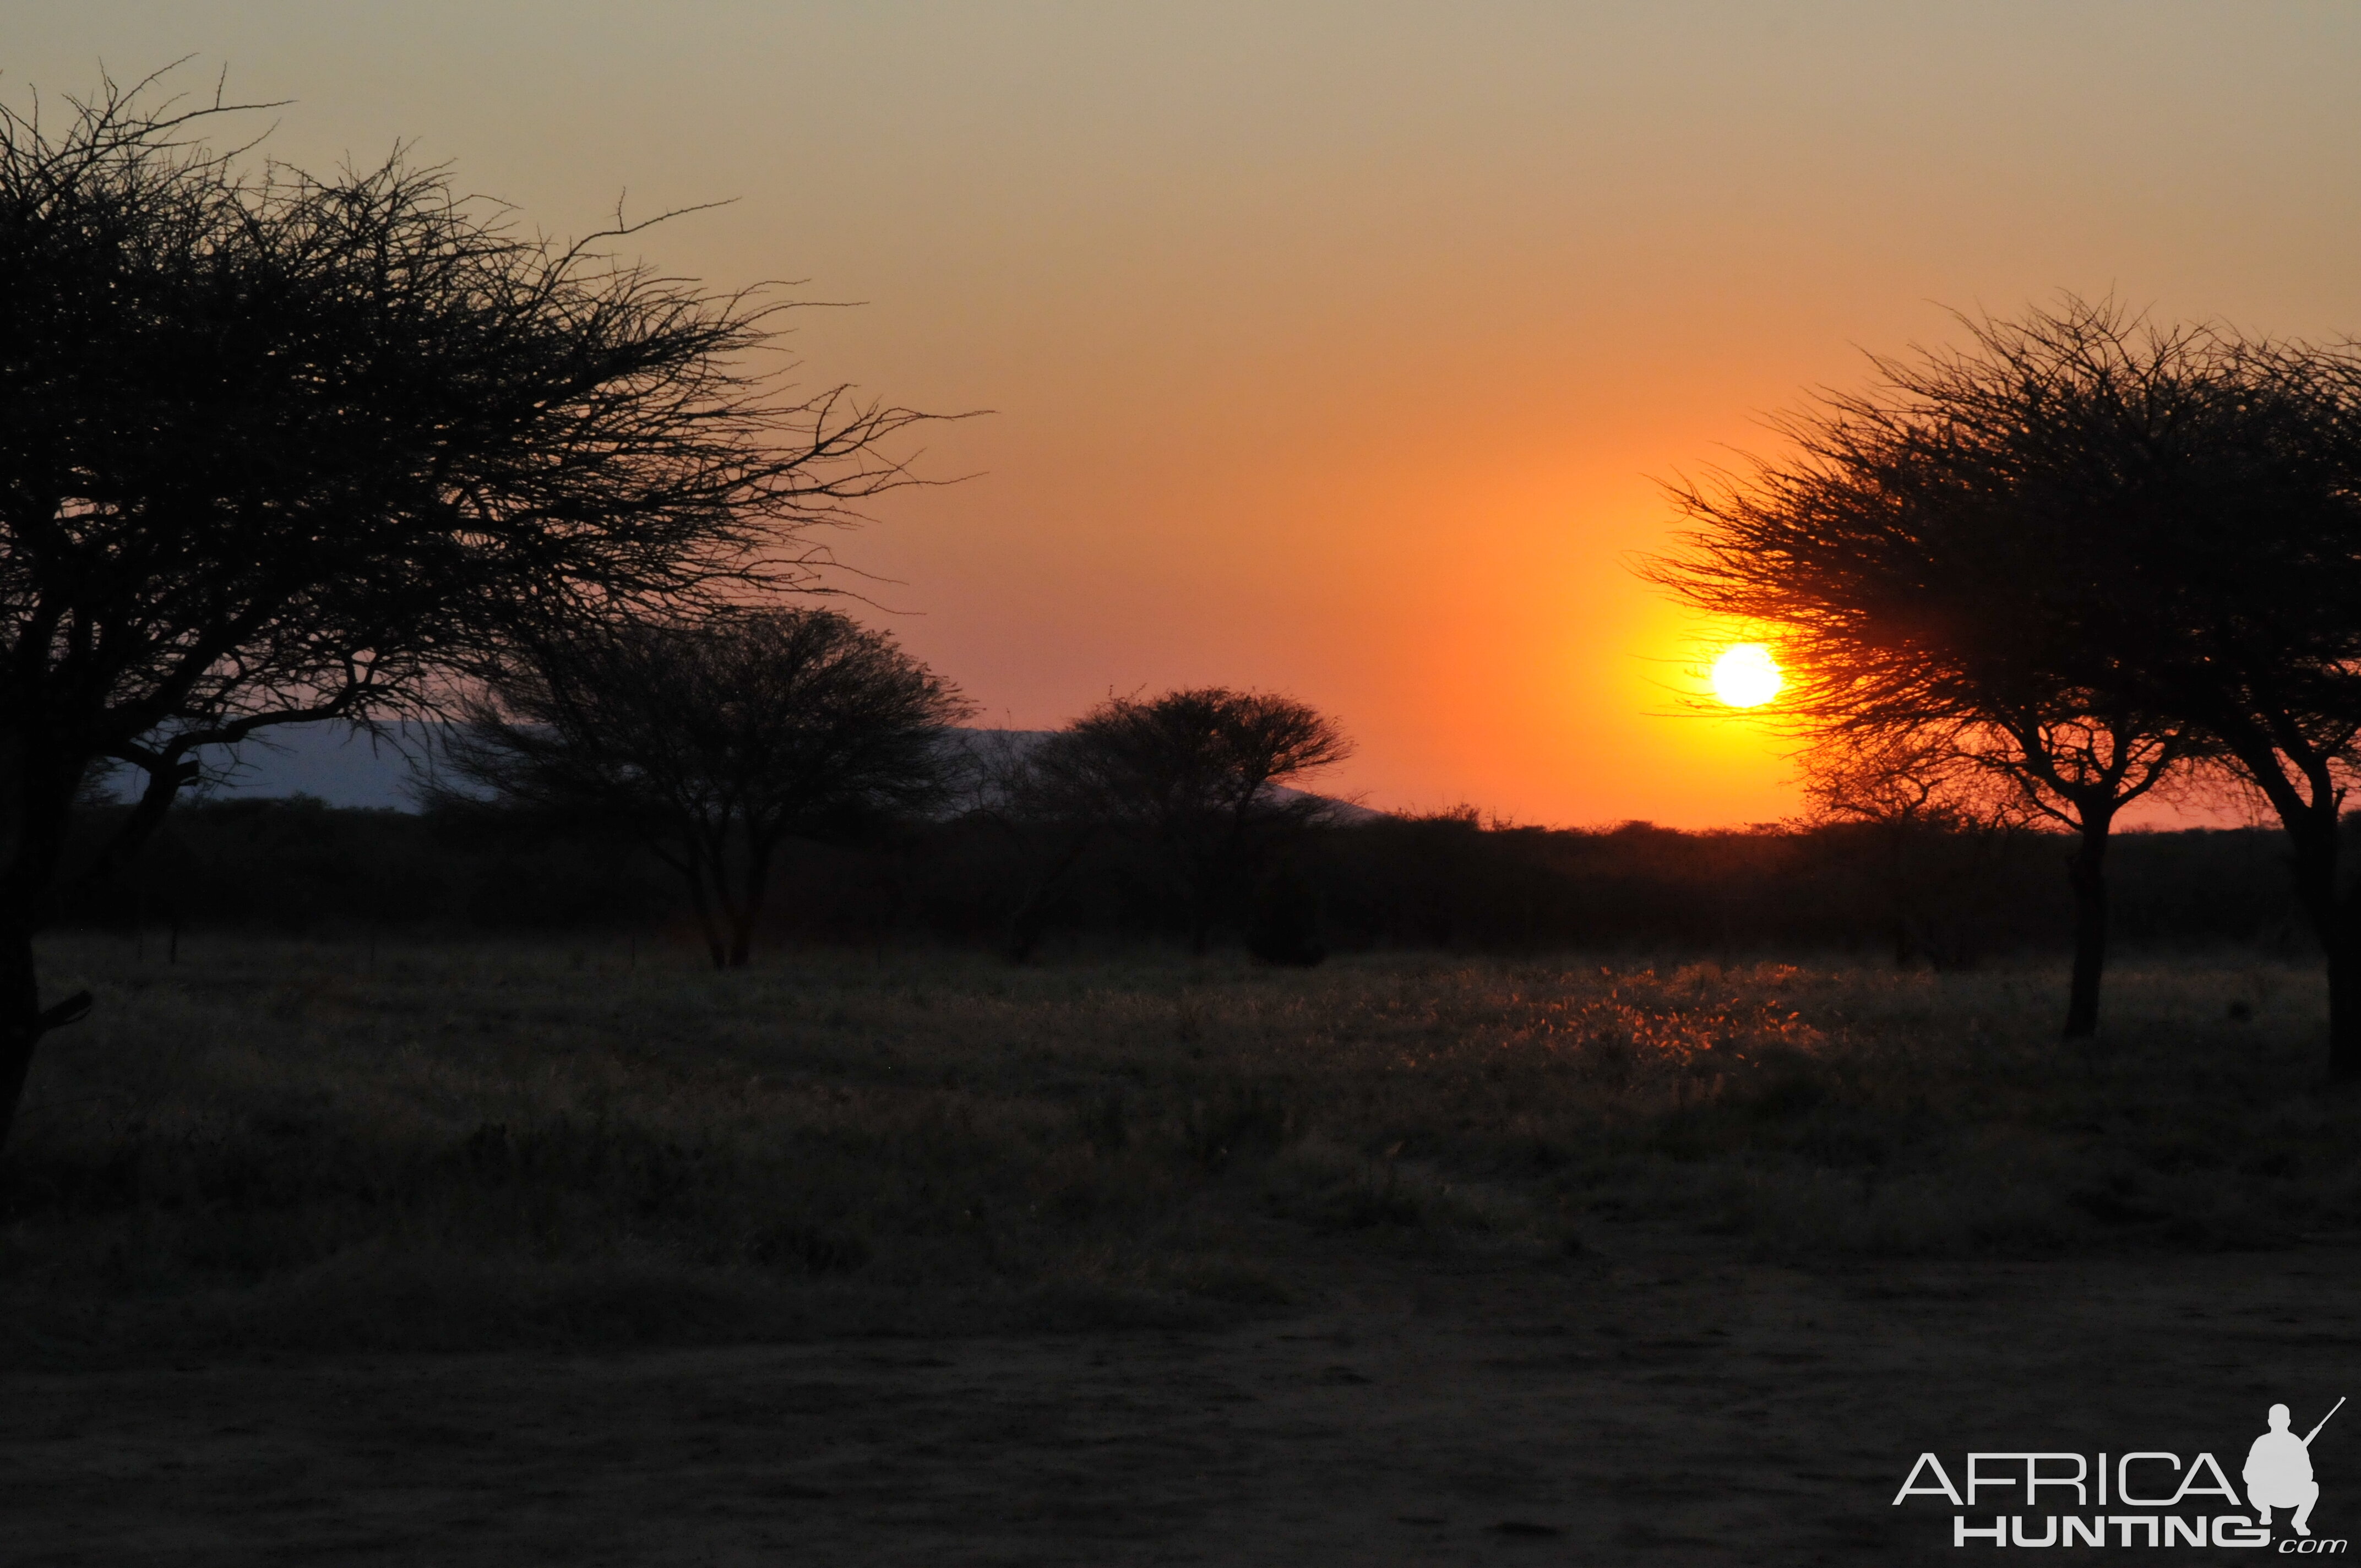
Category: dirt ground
[1654,1400]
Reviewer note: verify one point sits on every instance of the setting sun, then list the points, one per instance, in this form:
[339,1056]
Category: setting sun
[1746,675]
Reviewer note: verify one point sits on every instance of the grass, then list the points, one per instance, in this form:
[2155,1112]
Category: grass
[267,1146]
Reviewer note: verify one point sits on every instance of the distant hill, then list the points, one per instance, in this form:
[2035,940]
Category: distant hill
[344,768]
[326,762]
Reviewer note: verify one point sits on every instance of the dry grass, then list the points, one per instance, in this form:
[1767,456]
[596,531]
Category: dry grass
[273,1146]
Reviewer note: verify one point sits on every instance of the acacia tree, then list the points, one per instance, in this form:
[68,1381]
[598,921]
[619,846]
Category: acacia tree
[276,448]
[1203,776]
[1941,562]
[712,742]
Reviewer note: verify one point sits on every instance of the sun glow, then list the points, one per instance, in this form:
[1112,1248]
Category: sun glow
[1746,675]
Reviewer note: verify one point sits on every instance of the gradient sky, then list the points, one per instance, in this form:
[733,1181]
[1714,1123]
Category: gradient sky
[1337,348]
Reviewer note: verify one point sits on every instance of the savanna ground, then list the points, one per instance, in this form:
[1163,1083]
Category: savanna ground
[494,1255]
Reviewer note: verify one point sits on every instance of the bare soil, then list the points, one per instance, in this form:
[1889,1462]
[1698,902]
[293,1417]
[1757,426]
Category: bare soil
[1656,1399]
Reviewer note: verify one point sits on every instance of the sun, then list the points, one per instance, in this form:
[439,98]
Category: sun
[1746,675]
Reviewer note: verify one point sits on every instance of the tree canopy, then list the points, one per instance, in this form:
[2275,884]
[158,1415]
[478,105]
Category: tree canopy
[1203,776]
[712,741]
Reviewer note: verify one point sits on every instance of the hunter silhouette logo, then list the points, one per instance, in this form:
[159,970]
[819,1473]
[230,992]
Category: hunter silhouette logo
[2278,1471]
[2146,1497]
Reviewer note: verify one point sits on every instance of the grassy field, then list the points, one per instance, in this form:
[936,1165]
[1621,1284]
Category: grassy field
[278,1147]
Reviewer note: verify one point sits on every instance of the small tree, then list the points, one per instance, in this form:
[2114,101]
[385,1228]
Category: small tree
[1204,777]
[276,448]
[713,742]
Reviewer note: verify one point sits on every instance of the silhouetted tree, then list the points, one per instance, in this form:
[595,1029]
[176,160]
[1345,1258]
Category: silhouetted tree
[713,742]
[1941,560]
[1204,777]
[276,448]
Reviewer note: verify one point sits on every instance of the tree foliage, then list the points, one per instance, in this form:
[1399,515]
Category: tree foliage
[711,741]
[1203,777]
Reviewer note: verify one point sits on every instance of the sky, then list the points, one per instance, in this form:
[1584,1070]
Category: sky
[1342,350]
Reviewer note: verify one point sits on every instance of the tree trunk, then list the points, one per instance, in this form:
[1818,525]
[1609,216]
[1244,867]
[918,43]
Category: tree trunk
[2311,815]
[749,907]
[2312,843]
[23,1021]
[699,900]
[20,1021]
[44,801]
[2086,873]
[1897,894]
[1026,926]
[1202,890]
[1030,922]
[1200,914]
[2344,944]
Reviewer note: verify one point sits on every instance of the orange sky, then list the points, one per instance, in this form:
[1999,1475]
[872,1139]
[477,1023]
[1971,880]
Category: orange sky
[1334,349]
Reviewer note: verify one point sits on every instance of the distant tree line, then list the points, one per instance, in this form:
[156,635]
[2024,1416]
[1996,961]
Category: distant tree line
[1448,882]
[712,744]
